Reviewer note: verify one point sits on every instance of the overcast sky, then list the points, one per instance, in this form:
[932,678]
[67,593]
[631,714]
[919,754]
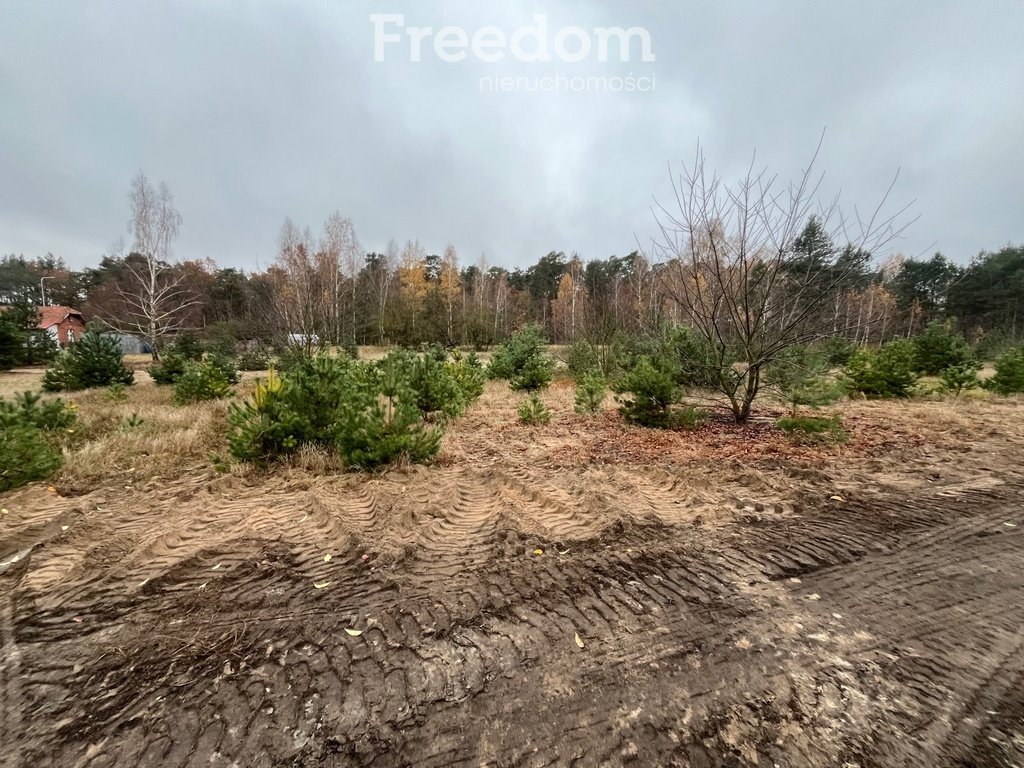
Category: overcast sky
[254,111]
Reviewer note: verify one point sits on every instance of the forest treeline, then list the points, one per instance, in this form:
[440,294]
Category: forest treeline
[407,296]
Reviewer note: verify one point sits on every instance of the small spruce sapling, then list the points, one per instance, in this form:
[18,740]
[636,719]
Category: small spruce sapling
[938,347]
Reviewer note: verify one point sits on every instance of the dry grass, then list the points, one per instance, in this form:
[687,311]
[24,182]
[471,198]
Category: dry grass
[170,440]
[19,379]
[138,361]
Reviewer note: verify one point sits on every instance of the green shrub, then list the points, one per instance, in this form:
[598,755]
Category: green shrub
[25,455]
[468,372]
[521,360]
[294,356]
[95,360]
[813,429]
[21,341]
[647,394]
[992,344]
[590,392]
[349,348]
[1009,376]
[222,337]
[40,347]
[174,359]
[368,414]
[938,348]
[169,369]
[535,374]
[29,447]
[298,408]
[532,410]
[612,358]
[886,372]
[269,426]
[686,356]
[202,380]
[253,360]
[584,357]
[628,349]
[958,378]
[318,386]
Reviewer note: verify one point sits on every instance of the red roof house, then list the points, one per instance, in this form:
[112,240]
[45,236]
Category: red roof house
[64,324]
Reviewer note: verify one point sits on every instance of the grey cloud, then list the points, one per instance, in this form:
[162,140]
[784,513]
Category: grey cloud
[256,111]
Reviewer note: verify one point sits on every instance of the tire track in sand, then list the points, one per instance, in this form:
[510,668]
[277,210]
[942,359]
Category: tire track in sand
[464,533]
[561,515]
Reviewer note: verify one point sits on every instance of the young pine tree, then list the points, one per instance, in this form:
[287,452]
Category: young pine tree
[961,377]
[29,438]
[93,361]
[801,375]
[388,427]
[1009,377]
[886,372]
[532,411]
[647,394]
[938,348]
[202,380]
[522,361]
[11,343]
[590,392]
[170,368]
[435,389]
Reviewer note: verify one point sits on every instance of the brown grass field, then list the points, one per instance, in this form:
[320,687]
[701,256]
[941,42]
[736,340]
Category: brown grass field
[582,593]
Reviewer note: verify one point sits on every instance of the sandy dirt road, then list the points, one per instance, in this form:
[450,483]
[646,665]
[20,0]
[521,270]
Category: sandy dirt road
[505,608]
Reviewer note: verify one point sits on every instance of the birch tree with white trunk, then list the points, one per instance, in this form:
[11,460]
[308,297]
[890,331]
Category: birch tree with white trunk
[155,298]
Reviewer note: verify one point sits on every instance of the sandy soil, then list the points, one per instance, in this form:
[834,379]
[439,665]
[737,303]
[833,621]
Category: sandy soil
[577,594]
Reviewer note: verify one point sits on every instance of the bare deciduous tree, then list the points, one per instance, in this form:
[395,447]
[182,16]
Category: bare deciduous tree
[341,256]
[300,292]
[381,276]
[450,286]
[729,264]
[154,297]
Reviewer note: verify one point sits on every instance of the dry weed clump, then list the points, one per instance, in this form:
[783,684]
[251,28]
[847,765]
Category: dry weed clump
[316,460]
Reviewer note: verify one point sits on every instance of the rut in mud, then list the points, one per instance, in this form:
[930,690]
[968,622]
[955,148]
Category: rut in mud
[203,623]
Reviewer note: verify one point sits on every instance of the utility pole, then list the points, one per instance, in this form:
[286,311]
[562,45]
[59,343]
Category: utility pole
[42,289]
